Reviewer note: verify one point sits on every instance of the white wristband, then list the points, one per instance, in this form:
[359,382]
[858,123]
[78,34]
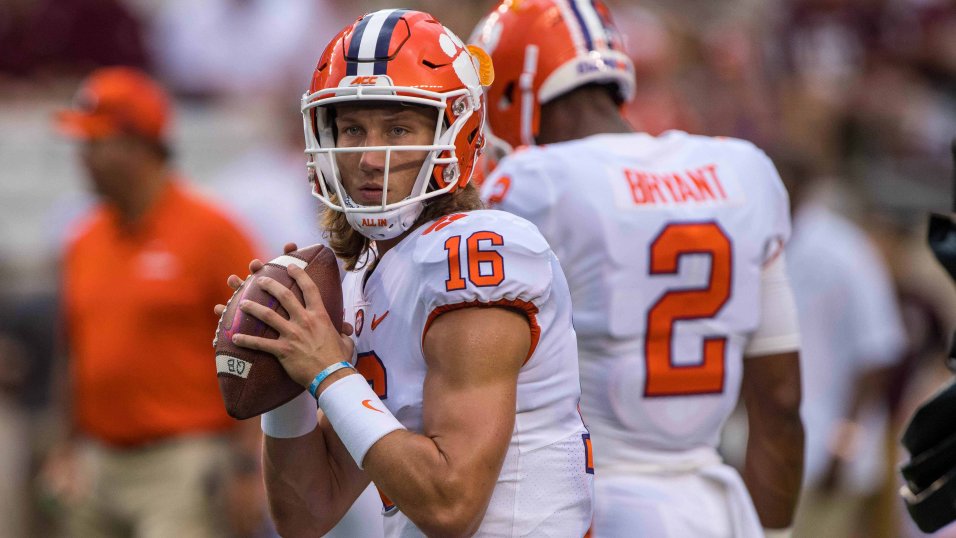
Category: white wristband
[357,415]
[294,418]
[778,533]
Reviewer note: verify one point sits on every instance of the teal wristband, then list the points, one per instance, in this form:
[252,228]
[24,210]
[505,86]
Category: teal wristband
[314,386]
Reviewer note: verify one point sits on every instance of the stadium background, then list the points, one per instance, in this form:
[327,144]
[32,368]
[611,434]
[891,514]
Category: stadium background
[865,90]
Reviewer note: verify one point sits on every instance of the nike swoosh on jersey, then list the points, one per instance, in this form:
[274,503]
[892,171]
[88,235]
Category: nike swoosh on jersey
[376,320]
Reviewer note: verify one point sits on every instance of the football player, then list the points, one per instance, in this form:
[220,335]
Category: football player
[672,247]
[455,310]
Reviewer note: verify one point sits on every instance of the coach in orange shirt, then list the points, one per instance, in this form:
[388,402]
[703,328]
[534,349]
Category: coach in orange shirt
[148,449]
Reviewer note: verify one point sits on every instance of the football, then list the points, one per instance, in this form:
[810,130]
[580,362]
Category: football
[253,382]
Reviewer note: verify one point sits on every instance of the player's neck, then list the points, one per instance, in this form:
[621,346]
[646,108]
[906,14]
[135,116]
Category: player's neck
[579,114]
[384,245]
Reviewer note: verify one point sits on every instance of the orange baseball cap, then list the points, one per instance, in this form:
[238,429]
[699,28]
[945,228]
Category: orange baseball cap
[116,100]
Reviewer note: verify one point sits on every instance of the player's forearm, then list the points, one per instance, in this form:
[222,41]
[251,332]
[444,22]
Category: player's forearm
[300,485]
[438,494]
[774,467]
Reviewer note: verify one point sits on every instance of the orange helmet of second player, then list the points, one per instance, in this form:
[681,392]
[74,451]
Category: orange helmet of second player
[542,49]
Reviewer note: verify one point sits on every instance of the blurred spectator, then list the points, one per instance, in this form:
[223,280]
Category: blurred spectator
[820,48]
[825,43]
[868,87]
[660,102]
[268,188]
[732,81]
[27,336]
[67,37]
[894,116]
[147,449]
[927,299]
[15,458]
[852,335]
[242,47]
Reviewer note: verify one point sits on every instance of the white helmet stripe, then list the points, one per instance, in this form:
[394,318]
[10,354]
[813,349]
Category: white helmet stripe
[571,23]
[370,40]
[592,22]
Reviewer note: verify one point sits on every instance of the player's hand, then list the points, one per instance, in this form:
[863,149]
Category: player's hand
[233,281]
[307,342]
[62,477]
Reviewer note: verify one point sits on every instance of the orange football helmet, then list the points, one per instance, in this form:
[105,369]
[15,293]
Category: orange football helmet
[397,55]
[542,49]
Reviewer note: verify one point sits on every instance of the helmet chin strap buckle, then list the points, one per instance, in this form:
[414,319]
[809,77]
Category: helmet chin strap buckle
[450,173]
[460,105]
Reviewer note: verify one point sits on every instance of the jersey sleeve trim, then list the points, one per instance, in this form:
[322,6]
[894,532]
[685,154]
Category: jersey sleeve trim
[387,504]
[778,331]
[529,309]
[774,249]
[773,345]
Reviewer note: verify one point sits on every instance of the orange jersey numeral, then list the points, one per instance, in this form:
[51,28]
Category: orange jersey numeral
[664,377]
[454,282]
[491,259]
[373,370]
[443,222]
[500,190]
[588,453]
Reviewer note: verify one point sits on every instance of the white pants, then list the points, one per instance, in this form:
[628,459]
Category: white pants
[711,502]
[174,488]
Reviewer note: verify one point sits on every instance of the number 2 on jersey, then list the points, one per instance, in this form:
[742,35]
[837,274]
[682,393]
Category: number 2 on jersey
[664,376]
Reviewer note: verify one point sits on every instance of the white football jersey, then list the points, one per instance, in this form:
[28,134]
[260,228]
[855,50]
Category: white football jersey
[472,259]
[662,241]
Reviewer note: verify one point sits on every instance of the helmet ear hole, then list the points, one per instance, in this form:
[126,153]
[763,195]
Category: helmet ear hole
[432,65]
[449,173]
[507,96]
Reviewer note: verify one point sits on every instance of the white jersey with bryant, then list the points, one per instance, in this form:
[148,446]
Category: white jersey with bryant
[663,241]
[483,258]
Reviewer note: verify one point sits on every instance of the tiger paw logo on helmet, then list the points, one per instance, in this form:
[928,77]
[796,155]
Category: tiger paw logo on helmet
[397,55]
[542,49]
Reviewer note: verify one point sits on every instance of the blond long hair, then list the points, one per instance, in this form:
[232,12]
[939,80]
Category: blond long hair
[350,246]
